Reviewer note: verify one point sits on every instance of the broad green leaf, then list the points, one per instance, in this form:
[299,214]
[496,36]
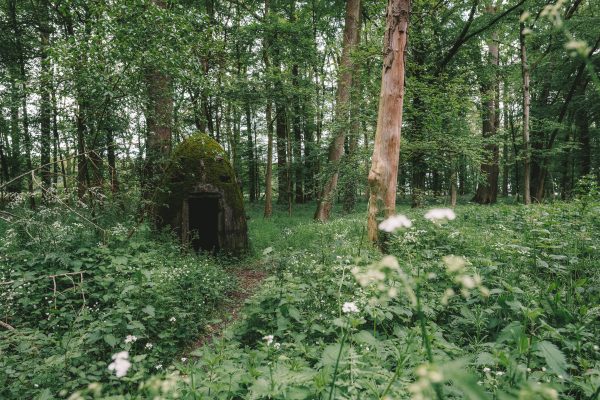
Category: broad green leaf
[553,356]
[110,340]
[149,310]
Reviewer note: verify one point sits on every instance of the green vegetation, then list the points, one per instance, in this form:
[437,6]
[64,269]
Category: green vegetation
[522,323]
[199,199]
[77,292]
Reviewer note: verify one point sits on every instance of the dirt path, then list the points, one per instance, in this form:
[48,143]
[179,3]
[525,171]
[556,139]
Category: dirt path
[249,281]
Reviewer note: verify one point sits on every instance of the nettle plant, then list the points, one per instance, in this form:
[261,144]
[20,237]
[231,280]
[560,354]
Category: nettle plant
[453,282]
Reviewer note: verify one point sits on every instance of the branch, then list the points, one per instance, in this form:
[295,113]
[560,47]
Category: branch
[458,44]
[51,163]
[7,326]
[459,40]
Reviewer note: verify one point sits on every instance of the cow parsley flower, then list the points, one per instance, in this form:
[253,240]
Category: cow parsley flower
[395,222]
[130,339]
[120,364]
[349,307]
[149,345]
[268,339]
[172,319]
[440,214]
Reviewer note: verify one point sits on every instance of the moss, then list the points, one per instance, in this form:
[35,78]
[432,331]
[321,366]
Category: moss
[199,160]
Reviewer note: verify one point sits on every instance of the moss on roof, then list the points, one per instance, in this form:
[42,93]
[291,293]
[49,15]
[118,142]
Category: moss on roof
[199,159]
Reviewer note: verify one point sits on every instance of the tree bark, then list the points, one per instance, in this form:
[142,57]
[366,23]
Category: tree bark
[269,120]
[336,149]
[487,192]
[526,107]
[45,99]
[386,151]
[282,138]
[250,155]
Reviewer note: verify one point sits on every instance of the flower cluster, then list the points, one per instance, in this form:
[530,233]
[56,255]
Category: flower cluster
[349,308]
[394,223]
[440,215]
[120,364]
[131,339]
[456,266]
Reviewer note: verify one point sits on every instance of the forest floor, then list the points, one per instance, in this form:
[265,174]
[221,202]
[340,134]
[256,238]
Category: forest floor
[248,280]
[502,302]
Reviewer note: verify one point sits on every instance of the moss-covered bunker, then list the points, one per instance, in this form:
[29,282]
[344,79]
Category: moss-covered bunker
[202,201]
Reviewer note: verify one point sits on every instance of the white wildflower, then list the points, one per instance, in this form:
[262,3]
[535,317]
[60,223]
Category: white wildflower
[395,222]
[349,307]
[159,366]
[172,319]
[440,214]
[120,364]
[596,347]
[454,263]
[149,345]
[183,359]
[277,346]
[499,373]
[486,370]
[543,369]
[268,339]
[130,339]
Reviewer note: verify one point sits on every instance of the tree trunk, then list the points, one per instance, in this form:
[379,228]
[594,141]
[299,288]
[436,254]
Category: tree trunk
[282,138]
[526,107]
[386,151]
[12,11]
[487,191]
[453,188]
[250,155]
[583,128]
[45,100]
[111,157]
[269,120]
[297,128]
[336,149]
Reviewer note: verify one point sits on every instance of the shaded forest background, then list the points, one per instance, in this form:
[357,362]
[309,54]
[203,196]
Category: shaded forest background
[93,95]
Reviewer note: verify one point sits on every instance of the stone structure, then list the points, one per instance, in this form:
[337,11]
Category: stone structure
[201,200]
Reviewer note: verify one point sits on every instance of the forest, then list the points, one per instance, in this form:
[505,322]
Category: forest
[300,199]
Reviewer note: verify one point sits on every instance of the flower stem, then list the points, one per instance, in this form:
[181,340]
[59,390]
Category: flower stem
[337,362]
[426,341]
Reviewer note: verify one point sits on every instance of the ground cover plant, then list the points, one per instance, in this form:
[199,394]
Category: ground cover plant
[450,310]
[76,291]
[284,199]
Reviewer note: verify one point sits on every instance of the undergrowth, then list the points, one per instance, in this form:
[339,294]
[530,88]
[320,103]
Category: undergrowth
[500,303]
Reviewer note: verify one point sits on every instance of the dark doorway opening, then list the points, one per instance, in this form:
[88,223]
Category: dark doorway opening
[204,222]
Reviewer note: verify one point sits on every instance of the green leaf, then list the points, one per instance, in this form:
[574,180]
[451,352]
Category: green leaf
[554,357]
[110,340]
[330,354]
[294,313]
[149,310]
[367,338]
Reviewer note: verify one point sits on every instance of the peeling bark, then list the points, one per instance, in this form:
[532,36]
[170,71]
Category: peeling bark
[386,151]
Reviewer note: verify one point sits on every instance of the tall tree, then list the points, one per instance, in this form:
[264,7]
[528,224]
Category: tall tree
[159,119]
[526,107]
[269,118]
[342,111]
[487,191]
[386,150]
